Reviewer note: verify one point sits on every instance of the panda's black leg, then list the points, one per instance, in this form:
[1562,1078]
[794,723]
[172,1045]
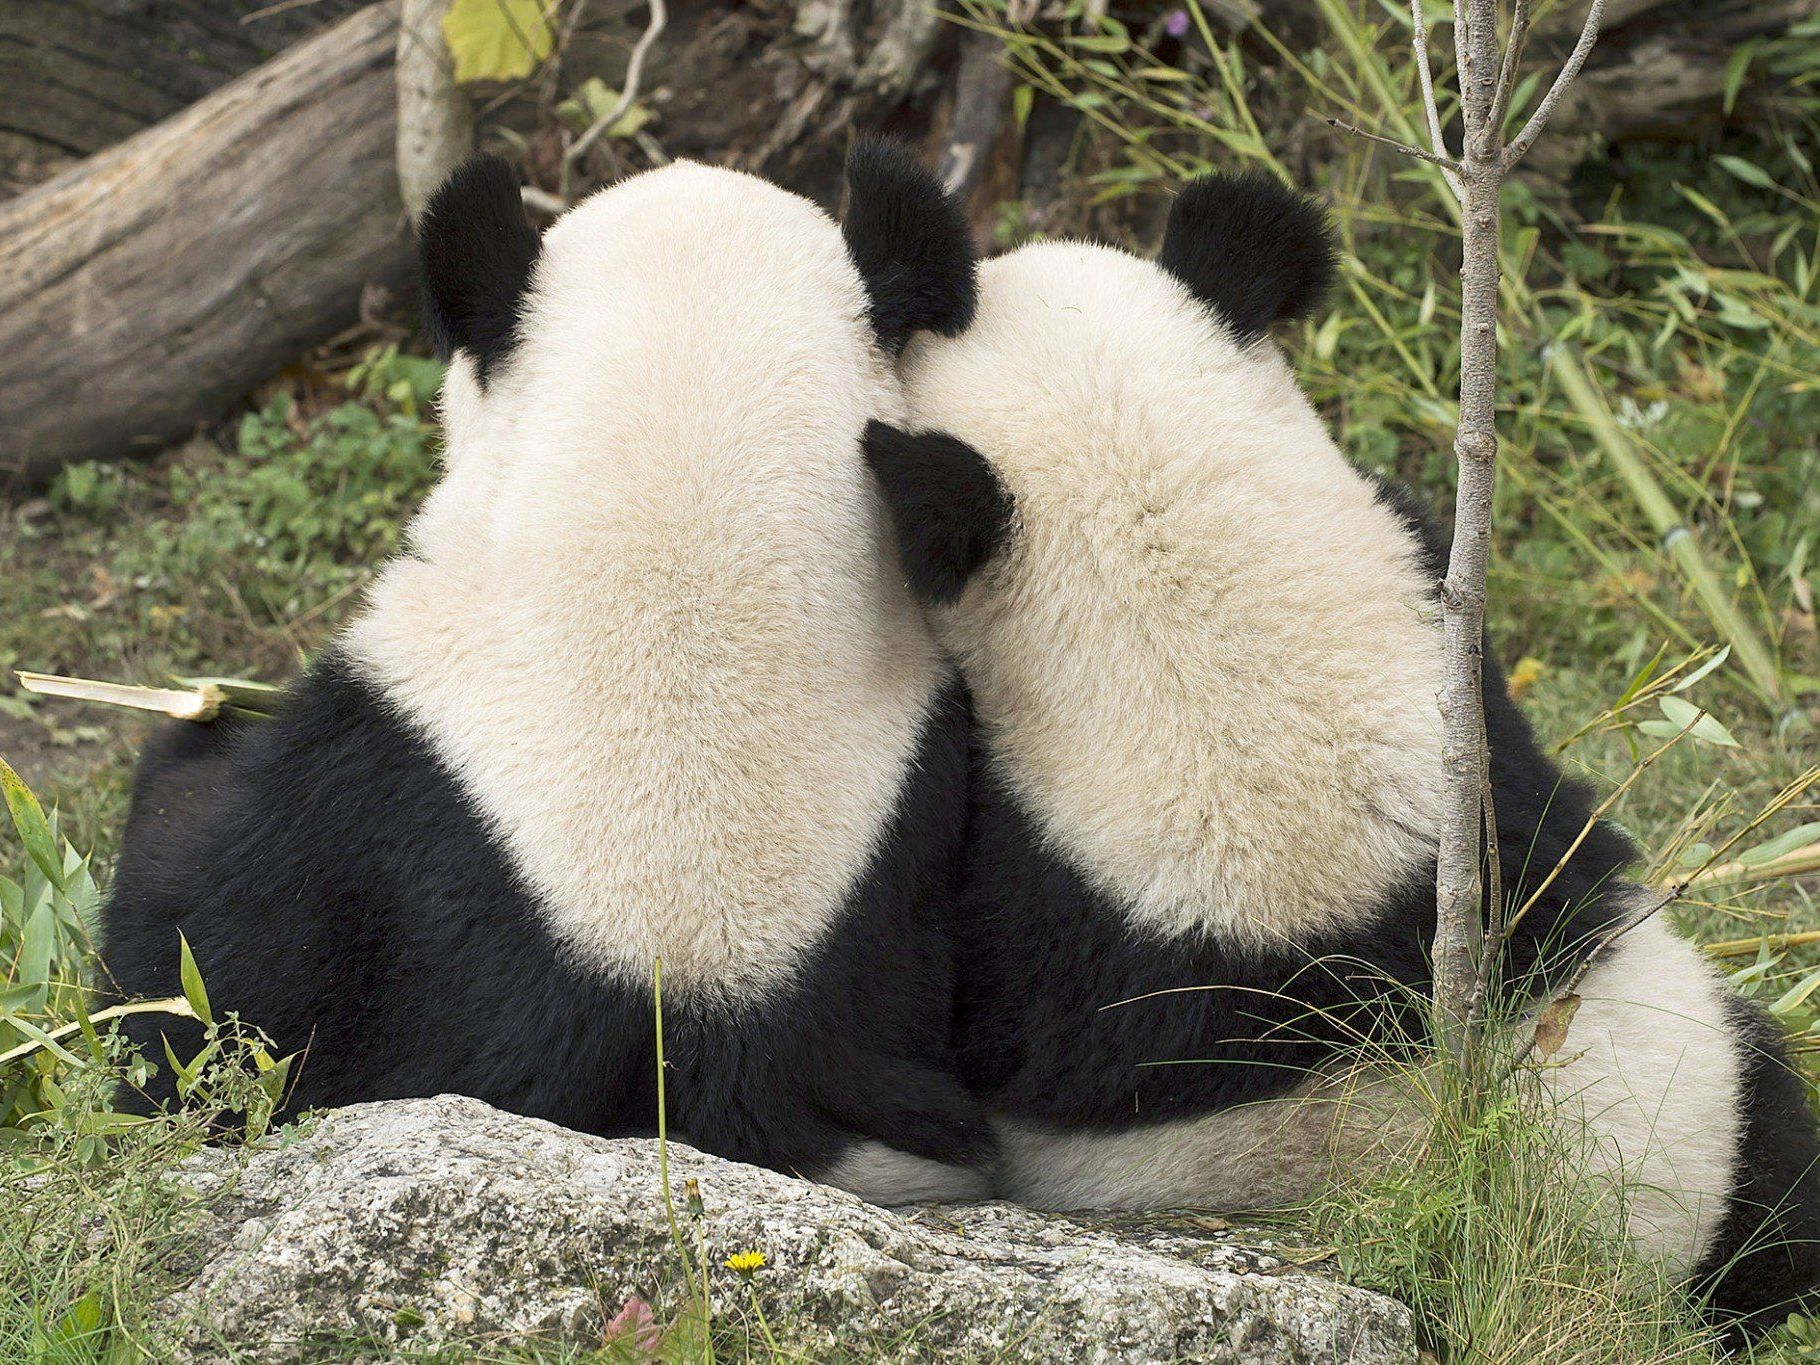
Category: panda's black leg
[1765,1261]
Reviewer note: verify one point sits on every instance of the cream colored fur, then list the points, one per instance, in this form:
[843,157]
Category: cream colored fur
[1655,1069]
[1272,1154]
[647,616]
[1208,663]
[883,1175]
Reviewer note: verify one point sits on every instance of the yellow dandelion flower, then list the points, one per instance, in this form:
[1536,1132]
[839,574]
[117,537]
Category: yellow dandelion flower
[745,1262]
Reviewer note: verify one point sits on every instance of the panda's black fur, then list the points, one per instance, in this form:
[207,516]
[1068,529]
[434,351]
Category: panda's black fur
[341,890]
[1070,1014]
[341,893]
[1278,1012]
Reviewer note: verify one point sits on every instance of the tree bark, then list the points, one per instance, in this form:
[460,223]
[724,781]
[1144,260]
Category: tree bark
[435,118]
[1459,887]
[155,283]
[80,75]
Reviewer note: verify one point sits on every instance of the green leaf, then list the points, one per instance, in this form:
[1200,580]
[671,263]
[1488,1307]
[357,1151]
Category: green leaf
[1745,171]
[41,1038]
[497,40]
[82,1318]
[1735,68]
[1798,994]
[1022,99]
[28,819]
[183,1074]
[35,952]
[1768,851]
[1696,855]
[593,100]
[273,1080]
[1716,661]
[1644,674]
[89,1036]
[192,981]
[1683,714]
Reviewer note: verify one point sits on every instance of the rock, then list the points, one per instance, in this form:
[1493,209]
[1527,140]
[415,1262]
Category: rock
[421,1223]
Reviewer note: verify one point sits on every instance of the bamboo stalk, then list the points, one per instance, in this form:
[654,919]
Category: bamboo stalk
[1795,863]
[175,1005]
[1745,947]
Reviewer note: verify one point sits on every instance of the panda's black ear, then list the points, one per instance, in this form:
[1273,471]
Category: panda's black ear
[1251,249]
[477,249]
[910,241]
[949,510]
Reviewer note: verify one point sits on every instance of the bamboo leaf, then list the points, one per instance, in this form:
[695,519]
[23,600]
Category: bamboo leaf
[28,819]
[1798,837]
[1715,662]
[191,979]
[1683,714]
[1798,995]
[34,970]
[1735,68]
[1745,171]
[38,1039]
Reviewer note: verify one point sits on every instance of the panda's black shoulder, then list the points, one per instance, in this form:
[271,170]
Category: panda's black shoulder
[1432,538]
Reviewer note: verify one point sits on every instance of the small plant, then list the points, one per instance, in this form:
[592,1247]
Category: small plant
[60,1057]
[87,1208]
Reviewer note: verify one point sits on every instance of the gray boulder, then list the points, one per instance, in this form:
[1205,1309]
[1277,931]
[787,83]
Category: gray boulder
[417,1224]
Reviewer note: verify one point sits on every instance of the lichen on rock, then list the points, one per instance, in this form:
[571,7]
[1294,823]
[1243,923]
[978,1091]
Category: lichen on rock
[423,1223]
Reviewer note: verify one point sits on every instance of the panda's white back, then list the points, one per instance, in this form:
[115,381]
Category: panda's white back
[647,617]
[1207,659]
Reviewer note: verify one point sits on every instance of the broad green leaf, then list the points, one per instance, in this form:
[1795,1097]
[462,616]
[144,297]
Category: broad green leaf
[1022,99]
[273,1081]
[1745,975]
[497,40]
[593,100]
[1682,714]
[1696,854]
[35,953]
[108,1121]
[28,819]
[1798,994]
[1787,842]
[80,1319]
[191,979]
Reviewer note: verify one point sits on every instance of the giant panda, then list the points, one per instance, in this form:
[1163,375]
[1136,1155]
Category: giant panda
[645,684]
[1204,656]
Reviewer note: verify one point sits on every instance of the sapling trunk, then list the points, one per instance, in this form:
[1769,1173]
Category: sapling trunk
[1487,80]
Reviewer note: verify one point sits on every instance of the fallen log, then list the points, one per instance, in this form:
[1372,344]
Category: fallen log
[151,285]
[80,75]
